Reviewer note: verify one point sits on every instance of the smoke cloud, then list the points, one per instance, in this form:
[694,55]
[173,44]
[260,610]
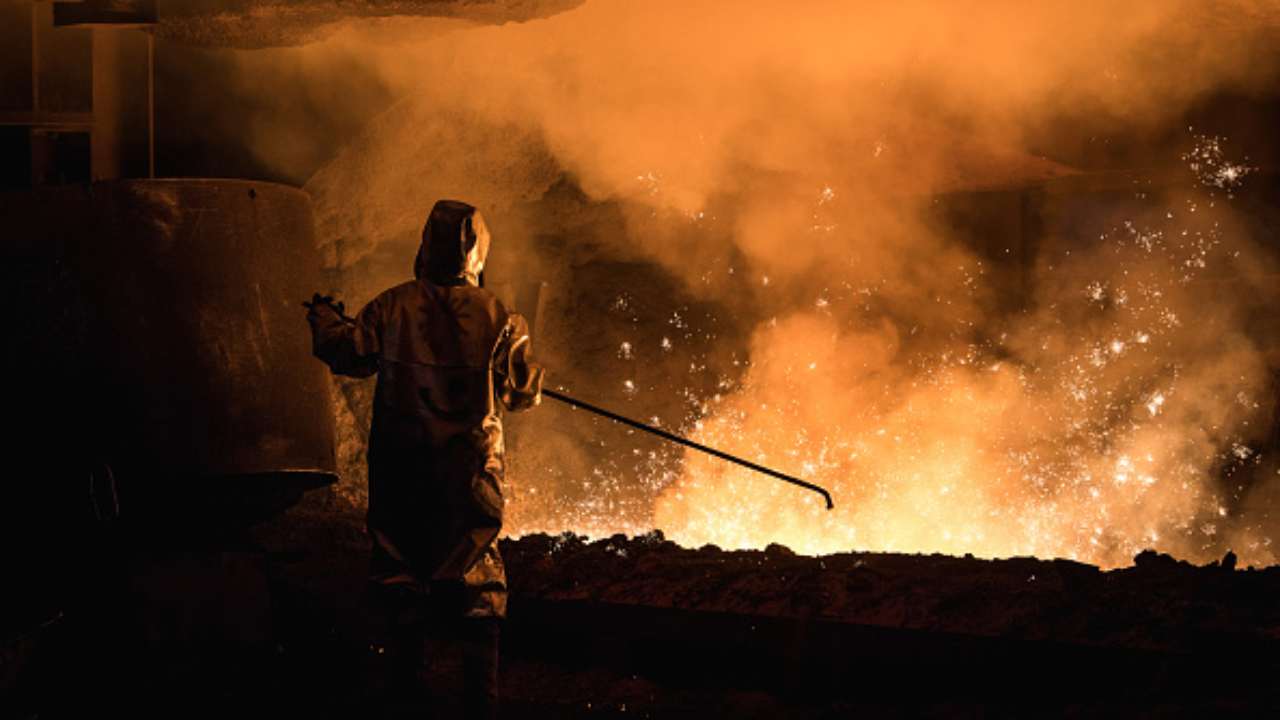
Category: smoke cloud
[1083,371]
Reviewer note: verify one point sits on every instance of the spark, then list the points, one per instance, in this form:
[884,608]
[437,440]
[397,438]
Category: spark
[1155,403]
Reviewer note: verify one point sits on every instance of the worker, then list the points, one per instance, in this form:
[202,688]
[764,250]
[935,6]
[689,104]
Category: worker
[448,357]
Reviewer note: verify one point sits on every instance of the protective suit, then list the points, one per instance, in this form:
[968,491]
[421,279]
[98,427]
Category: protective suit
[447,355]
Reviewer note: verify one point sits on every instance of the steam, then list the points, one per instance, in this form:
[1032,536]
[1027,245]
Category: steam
[784,165]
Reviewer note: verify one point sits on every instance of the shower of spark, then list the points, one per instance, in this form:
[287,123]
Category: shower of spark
[1210,165]
[1084,430]
[1091,430]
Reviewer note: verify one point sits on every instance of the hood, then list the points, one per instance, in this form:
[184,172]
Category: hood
[455,243]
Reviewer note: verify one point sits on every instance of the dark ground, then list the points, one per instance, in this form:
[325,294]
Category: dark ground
[270,623]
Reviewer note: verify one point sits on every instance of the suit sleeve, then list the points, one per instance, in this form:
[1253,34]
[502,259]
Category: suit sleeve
[347,348]
[517,378]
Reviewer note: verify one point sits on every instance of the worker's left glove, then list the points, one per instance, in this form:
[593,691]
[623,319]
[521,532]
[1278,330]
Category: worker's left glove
[323,307]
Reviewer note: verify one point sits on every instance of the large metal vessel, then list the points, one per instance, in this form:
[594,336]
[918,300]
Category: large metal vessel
[161,345]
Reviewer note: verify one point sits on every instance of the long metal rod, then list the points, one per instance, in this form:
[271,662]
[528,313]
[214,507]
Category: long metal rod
[688,443]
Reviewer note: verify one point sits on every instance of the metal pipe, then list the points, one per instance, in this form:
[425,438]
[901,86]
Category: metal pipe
[151,104]
[35,58]
[689,443]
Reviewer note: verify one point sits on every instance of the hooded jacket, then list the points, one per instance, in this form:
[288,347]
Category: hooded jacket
[448,357]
